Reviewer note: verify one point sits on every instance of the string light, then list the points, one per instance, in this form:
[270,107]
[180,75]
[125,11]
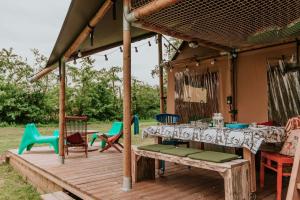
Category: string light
[120,49]
[79,54]
[212,62]
[187,69]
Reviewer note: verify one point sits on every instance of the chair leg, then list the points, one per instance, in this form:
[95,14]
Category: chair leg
[28,148]
[67,150]
[120,145]
[106,147]
[279,181]
[113,145]
[262,173]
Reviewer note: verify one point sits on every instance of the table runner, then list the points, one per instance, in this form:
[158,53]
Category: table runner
[250,138]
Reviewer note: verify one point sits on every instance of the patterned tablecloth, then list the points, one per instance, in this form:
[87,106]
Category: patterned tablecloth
[250,138]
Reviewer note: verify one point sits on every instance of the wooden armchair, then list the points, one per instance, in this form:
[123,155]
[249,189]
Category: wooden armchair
[76,134]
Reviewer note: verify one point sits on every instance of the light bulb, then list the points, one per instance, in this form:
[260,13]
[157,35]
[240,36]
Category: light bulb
[79,54]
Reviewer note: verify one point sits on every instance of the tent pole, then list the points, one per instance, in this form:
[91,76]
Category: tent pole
[161,73]
[158,140]
[62,89]
[127,182]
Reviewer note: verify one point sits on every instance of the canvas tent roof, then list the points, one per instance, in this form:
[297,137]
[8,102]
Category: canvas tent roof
[221,25]
[107,33]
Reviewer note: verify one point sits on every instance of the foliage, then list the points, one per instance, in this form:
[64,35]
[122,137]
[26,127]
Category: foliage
[92,92]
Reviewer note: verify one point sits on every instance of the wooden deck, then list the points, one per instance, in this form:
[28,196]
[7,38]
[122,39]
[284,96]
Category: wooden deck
[100,177]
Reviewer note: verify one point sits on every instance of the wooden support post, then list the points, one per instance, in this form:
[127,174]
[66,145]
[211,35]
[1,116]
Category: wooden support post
[248,155]
[158,140]
[161,73]
[236,183]
[127,183]
[62,92]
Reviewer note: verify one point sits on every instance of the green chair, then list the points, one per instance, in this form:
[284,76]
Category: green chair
[32,136]
[116,128]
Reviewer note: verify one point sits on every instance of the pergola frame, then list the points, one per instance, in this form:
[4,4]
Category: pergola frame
[130,18]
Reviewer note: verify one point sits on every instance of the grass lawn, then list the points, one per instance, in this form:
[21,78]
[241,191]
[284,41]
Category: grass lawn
[12,186]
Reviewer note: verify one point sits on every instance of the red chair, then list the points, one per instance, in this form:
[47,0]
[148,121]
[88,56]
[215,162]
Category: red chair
[275,162]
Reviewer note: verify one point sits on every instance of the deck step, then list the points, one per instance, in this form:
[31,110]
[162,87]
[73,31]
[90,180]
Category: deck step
[56,196]
[298,186]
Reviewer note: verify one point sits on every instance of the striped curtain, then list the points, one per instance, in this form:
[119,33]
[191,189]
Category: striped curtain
[284,93]
[204,80]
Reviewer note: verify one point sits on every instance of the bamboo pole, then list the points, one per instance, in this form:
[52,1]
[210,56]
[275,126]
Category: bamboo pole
[79,40]
[127,181]
[161,73]
[62,92]
[148,9]
[158,140]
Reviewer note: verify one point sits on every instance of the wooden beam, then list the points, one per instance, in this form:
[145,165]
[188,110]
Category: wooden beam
[62,94]
[79,40]
[127,180]
[148,9]
[87,30]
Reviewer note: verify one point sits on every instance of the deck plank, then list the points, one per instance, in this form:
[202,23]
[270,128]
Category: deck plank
[100,177]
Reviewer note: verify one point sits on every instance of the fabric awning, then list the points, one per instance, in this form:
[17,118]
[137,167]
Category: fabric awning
[107,33]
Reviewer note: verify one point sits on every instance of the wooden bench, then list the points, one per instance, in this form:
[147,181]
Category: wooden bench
[235,172]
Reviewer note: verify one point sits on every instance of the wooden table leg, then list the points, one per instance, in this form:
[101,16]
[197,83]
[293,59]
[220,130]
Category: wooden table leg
[248,155]
[236,183]
[157,140]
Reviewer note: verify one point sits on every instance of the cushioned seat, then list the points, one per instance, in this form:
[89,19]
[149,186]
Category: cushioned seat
[181,151]
[213,156]
[155,147]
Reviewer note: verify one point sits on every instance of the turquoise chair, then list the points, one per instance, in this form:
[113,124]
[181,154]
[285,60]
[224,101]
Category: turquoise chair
[116,128]
[32,136]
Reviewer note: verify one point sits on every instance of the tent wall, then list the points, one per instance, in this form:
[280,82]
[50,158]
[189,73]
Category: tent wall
[252,89]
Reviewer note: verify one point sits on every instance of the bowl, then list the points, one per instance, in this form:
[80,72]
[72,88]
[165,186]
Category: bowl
[237,125]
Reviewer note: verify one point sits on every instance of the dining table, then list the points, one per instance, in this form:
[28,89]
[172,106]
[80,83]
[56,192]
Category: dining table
[249,139]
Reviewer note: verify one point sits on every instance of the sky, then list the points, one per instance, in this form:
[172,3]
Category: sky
[28,24]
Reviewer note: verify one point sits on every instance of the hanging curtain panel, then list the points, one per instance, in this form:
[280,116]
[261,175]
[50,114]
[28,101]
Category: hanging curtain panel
[284,93]
[196,94]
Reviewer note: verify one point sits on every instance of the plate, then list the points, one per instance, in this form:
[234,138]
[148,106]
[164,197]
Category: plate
[259,127]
